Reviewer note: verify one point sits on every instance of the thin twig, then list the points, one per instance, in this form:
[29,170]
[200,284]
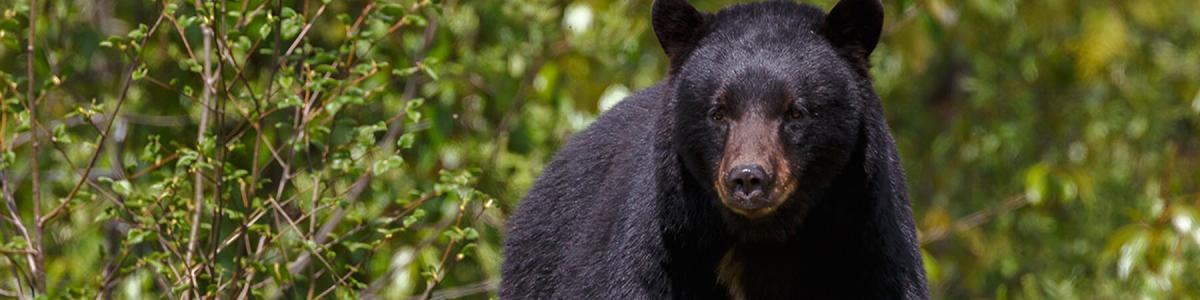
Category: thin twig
[36,263]
[439,273]
[15,218]
[202,130]
[220,142]
[304,32]
[973,220]
[467,290]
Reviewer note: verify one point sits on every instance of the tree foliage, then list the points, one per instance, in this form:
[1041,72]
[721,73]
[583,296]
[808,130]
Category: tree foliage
[318,148]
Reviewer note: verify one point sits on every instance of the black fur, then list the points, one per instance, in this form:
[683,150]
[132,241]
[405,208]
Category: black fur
[854,27]
[677,25]
[627,209]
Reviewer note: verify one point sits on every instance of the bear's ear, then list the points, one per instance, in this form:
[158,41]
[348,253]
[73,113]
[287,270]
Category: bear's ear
[678,27]
[853,27]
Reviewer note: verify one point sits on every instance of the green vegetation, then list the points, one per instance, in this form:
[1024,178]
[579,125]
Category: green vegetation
[289,148]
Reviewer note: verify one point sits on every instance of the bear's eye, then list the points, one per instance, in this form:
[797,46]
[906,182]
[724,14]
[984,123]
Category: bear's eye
[717,114]
[796,113]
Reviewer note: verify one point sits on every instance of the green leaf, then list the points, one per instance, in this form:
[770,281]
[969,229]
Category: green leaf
[393,10]
[138,33]
[405,141]
[264,30]
[289,101]
[414,217]
[355,246]
[139,73]
[59,134]
[1035,183]
[137,236]
[431,72]
[382,166]
[470,234]
[122,187]
[405,71]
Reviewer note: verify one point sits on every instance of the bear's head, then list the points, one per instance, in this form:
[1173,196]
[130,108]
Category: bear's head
[768,102]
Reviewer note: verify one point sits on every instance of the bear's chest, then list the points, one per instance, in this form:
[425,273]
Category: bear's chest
[729,273]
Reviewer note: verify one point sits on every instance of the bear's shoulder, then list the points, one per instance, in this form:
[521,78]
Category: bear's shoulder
[616,137]
[576,216]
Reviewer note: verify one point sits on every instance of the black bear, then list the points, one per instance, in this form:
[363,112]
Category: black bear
[761,167]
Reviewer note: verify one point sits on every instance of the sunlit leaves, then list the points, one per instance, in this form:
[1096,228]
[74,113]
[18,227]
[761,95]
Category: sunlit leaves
[1035,183]
[382,166]
[136,236]
[1104,38]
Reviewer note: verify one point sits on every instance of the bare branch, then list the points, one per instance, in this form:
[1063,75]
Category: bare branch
[34,237]
[15,218]
[467,290]
[304,31]
[209,78]
[973,220]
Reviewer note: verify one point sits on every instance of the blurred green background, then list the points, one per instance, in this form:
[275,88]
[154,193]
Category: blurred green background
[374,148]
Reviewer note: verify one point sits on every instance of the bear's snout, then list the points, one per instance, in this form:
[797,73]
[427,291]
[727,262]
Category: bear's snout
[748,186]
[751,166]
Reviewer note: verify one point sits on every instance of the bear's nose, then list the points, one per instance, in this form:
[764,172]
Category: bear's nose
[748,185]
